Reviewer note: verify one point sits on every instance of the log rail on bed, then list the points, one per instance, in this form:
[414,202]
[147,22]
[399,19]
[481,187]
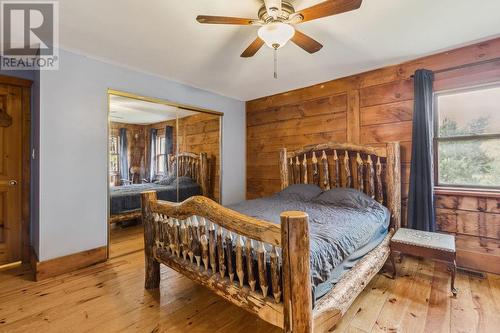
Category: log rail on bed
[216,246]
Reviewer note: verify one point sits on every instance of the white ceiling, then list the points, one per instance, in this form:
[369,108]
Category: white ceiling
[132,111]
[162,37]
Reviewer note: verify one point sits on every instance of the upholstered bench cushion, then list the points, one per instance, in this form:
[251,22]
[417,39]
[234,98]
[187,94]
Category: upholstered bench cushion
[427,239]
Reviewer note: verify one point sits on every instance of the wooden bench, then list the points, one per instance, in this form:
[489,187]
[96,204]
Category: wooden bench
[425,244]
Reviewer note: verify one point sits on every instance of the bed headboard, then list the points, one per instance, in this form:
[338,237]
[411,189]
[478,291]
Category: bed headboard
[194,166]
[372,170]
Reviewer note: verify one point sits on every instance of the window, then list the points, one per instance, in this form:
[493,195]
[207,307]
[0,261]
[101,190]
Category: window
[114,156]
[160,155]
[467,137]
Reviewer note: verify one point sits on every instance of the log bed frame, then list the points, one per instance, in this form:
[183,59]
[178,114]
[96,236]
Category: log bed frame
[195,166]
[195,237]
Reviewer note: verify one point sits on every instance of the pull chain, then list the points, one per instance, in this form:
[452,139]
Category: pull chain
[276,63]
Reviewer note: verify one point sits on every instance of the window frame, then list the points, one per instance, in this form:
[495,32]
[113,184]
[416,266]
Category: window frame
[117,154]
[436,139]
[158,154]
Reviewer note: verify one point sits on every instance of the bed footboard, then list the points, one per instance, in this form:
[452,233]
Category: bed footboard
[234,255]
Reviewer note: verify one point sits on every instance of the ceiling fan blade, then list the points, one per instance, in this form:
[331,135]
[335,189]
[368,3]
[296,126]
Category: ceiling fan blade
[306,42]
[253,48]
[328,8]
[224,20]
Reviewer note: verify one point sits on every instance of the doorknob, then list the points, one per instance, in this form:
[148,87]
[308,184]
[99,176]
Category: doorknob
[12,182]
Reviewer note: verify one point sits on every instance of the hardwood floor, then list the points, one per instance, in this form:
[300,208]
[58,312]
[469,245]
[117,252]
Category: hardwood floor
[125,240]
[110,297]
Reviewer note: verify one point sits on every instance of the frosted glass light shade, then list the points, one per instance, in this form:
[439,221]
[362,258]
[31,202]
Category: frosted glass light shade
[276,34]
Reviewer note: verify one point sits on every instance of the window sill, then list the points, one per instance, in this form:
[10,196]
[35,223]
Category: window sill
[472,192]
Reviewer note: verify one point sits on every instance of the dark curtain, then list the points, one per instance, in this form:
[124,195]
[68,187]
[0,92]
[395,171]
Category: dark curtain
[421,197]
[169,146]
[152,154]
[124,172]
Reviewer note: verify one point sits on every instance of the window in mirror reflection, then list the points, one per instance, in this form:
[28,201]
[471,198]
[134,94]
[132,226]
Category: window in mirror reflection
[160,155]
[114,158]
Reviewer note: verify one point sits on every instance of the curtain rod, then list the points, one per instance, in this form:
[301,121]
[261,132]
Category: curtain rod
[462,66]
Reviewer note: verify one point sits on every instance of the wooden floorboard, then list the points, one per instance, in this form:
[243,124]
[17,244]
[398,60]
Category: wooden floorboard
[125,239]
[110,297]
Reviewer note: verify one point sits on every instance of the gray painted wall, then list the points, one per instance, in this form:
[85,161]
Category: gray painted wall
[73,147]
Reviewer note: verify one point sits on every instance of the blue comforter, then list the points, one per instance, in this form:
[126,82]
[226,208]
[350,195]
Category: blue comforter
[128,198]
[344,224]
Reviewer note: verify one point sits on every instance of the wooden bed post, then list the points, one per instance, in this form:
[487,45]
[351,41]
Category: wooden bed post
[283,169]
[152,280]
[171,164]
[393,176]
[297,297]
[204,174]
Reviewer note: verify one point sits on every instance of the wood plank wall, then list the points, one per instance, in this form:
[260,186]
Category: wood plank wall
[369,108]
[476,222]
[199,133]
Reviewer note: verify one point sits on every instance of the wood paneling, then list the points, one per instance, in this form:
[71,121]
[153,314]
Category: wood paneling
[478,253]
[353,116]
[309,125]
[476,222]
[387,113]
[293,126]
[315,107]
[400,131]
[401,90]
[373,107]
[469,223]
[201,133]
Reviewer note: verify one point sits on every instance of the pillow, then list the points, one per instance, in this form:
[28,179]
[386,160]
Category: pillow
[303,192]
[184,180]
[172,180]
[166,180]
[346,197]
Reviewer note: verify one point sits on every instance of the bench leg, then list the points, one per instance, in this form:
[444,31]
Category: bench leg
[393,262]
[453,269]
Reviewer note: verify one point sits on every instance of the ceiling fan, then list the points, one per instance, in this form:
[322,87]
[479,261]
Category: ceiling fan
[277,20]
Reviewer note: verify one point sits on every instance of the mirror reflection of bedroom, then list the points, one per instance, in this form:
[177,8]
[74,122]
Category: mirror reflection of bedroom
[155,146]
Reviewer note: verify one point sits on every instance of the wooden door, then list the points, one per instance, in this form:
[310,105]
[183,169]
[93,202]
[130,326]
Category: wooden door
[10,173]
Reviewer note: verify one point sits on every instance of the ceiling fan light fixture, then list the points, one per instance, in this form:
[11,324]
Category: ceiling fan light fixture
[276,34]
